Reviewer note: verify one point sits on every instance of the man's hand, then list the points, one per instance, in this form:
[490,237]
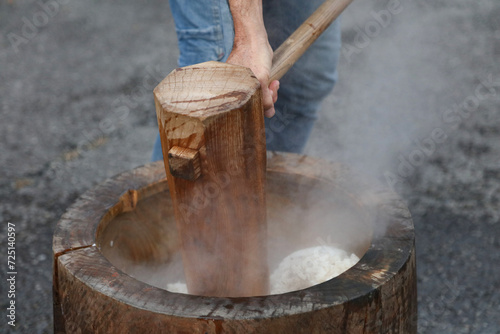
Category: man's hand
[251,48]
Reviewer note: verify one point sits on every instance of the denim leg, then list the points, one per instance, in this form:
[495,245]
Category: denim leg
[157,152]
[307,83]
[205,32]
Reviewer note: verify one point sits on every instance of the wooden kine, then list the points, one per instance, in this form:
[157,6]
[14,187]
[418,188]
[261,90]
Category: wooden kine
[217,187]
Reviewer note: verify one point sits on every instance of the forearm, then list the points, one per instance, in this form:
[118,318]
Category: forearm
[248,23]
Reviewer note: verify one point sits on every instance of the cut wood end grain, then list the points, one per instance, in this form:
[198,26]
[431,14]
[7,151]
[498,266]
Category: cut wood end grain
[206,89]
[184,163]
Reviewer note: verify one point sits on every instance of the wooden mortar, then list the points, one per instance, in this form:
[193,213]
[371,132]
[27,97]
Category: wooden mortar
[113,244]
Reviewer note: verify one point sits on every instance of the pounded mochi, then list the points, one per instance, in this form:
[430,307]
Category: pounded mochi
[178,287]
[310,266]
[301,269]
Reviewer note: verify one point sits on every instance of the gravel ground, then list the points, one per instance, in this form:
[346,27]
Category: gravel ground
[417,106]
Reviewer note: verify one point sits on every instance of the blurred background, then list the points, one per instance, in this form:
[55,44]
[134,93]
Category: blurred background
[417,106]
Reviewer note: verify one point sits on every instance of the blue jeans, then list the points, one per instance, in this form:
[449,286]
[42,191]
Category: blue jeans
[205,32]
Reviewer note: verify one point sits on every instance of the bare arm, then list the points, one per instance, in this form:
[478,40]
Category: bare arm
[251,47]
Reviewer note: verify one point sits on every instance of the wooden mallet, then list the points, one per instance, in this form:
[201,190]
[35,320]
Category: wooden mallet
[211,123]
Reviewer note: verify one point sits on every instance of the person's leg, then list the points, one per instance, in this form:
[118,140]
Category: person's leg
[307,83]
[157,152]
[204,32]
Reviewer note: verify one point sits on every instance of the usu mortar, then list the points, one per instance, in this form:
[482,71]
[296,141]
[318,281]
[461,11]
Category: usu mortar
[102,286]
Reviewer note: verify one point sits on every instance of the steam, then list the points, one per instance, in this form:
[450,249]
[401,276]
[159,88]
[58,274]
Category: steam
[380,111]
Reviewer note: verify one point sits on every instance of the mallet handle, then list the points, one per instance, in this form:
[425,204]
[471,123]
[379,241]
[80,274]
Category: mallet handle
[295,45]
